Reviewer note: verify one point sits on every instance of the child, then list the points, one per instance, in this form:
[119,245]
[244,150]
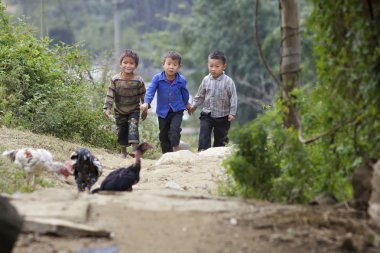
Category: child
[172,100]
[126,90]
[217,93]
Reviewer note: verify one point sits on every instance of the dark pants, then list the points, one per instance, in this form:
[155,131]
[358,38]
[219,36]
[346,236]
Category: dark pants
[170,131]
[220,126]
[128,128]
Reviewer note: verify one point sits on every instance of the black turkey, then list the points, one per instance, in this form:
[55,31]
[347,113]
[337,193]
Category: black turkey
[87,169]
[122,179]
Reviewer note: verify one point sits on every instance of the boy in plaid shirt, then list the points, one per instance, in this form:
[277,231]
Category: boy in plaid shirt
[217,93]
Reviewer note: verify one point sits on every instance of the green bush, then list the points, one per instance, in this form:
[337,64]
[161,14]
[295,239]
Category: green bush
[46,88]
[271,162]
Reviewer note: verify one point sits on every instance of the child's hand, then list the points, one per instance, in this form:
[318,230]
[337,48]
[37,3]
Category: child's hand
[107,113]
[231,117]
[144,107]
[144,114]
[190,109]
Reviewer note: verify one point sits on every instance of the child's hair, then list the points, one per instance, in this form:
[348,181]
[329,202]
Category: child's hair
[218,55]
[131,54]
[172,55]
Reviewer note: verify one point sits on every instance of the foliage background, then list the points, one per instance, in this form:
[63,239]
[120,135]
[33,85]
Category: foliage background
[45,88]
[52,87]
[271,162]
[192,27]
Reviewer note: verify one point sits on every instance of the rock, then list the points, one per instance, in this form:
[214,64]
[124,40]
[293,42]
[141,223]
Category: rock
[182,157]
[374,201]
[183,145]
[112,249]
[348,245]
[76,211]
[361,185]
[220,152]
[325,198]
[62,228]
[173,185]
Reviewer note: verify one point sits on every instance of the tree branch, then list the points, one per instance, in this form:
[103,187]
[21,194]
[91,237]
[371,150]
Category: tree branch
[331,131]
[258,46]
[250,100]
[265,96]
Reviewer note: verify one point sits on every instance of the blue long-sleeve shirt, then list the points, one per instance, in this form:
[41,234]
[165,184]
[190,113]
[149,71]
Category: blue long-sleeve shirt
[175,95]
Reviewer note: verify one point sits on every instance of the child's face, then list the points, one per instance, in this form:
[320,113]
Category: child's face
[216,67]
[128,65]
[171,67]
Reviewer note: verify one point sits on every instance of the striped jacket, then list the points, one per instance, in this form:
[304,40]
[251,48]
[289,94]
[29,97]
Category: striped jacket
[125,94]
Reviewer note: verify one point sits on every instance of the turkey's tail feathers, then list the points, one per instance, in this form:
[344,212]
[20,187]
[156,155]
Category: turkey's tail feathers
[98,165]
[11,154]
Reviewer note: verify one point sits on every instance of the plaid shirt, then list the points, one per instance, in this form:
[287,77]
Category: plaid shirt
[218,96]
[126,94]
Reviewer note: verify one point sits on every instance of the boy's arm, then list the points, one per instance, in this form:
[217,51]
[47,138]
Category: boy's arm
[200,96]
[110,97]
[142,90]
[233,98]
[186,97]
[185,94]
[149,95]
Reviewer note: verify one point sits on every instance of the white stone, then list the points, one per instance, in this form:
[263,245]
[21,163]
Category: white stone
[220,152]
[180,157]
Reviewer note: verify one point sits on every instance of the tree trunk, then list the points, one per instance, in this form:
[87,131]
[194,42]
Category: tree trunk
[290,57]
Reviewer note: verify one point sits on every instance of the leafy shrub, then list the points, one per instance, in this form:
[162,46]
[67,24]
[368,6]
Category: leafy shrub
[272,163]
[45,88]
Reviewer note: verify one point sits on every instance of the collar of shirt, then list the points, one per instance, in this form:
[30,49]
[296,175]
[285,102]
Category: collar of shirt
[177,78]
[220,78]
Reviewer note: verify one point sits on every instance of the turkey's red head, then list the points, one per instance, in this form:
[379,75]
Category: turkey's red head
[144,147]
[64,172]
[67,169]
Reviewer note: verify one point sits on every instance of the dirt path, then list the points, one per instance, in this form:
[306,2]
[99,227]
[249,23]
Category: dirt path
[174,209]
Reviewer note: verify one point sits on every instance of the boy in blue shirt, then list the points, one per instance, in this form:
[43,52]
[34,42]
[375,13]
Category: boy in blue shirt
[172,100]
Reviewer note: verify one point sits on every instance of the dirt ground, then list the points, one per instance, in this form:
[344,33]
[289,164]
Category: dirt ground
[174,209]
